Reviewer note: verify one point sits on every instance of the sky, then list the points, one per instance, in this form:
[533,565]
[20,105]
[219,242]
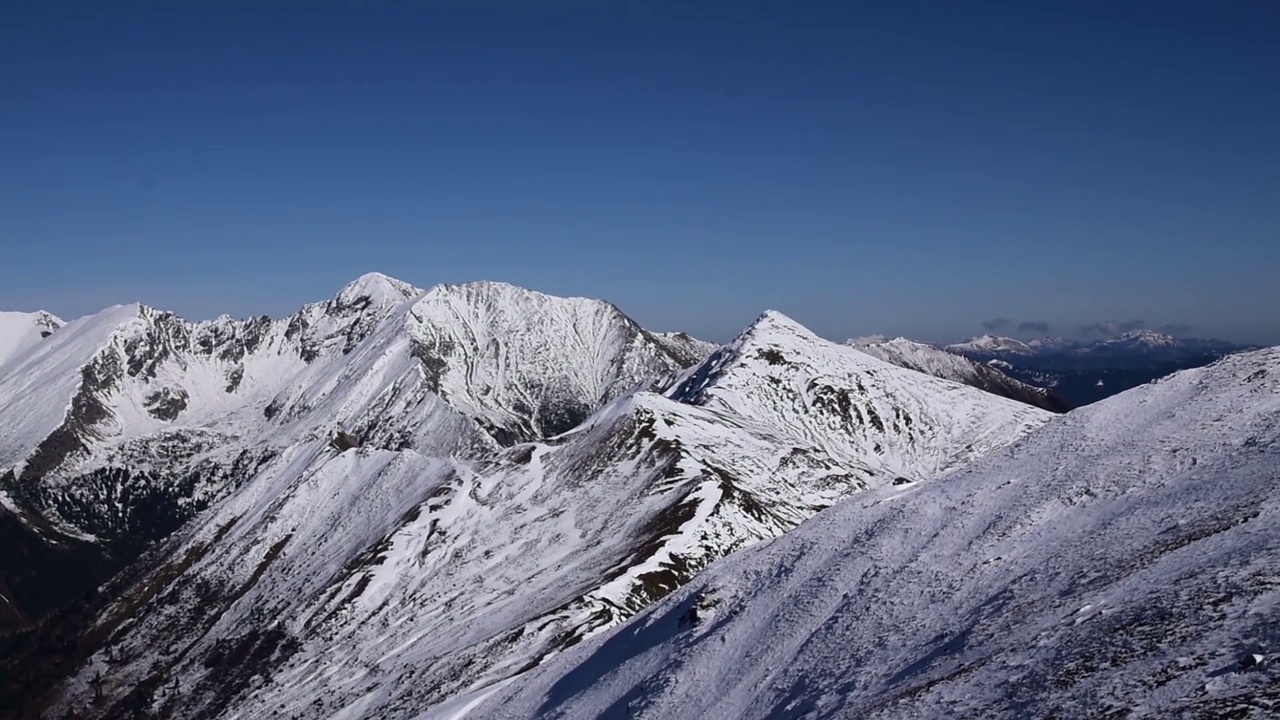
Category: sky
[933,169]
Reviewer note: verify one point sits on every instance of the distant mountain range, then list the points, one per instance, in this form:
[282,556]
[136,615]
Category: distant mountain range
[1083,372]
[954,366]
[1137,345]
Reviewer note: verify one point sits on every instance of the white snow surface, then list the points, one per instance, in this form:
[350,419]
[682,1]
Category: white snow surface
[19,331]
[1124,561]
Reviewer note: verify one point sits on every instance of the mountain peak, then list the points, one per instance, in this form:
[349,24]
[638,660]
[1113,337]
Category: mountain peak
[991,343]
[379,288]
[1146,336]
[772,324]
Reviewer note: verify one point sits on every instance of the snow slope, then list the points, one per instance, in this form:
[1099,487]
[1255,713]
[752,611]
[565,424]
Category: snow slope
[1122,562]
[20,331]
[374,580]
[937,362]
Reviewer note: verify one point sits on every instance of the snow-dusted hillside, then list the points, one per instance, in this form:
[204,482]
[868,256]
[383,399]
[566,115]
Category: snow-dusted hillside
[1122,562]
[345,581]
[21,331]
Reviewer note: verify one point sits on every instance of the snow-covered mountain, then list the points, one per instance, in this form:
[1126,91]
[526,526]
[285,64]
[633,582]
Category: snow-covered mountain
[683,346]
[363,568]
[1148,343]
[122,425]
[933,360]
[20,331]
[1055,343]
[1083,373]
[992,345]
[1121,562]
[1135,345]
[780,376]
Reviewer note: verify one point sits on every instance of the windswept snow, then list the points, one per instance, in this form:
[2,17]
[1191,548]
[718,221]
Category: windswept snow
[1122,562]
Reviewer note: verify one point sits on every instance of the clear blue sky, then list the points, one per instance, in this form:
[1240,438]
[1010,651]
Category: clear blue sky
[898,167]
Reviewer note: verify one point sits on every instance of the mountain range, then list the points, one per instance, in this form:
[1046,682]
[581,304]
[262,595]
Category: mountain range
[1124,561]
[1081,372]
[1132,345]
[498,470]
[405,502]
[945,363]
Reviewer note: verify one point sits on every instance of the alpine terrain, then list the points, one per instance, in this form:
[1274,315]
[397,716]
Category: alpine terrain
[396,497]
[1084,372]
[1124,561]
[939,362]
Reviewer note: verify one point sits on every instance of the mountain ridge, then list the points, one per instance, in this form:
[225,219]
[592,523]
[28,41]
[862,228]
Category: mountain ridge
[341,527]
[1121,561]
[949,365]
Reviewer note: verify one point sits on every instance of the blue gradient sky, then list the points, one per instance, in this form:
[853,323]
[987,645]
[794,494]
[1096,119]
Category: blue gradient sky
[913,167]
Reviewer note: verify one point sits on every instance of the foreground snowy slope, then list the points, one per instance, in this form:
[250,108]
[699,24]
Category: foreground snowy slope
[380,580]
[938,362]
[1122,562]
